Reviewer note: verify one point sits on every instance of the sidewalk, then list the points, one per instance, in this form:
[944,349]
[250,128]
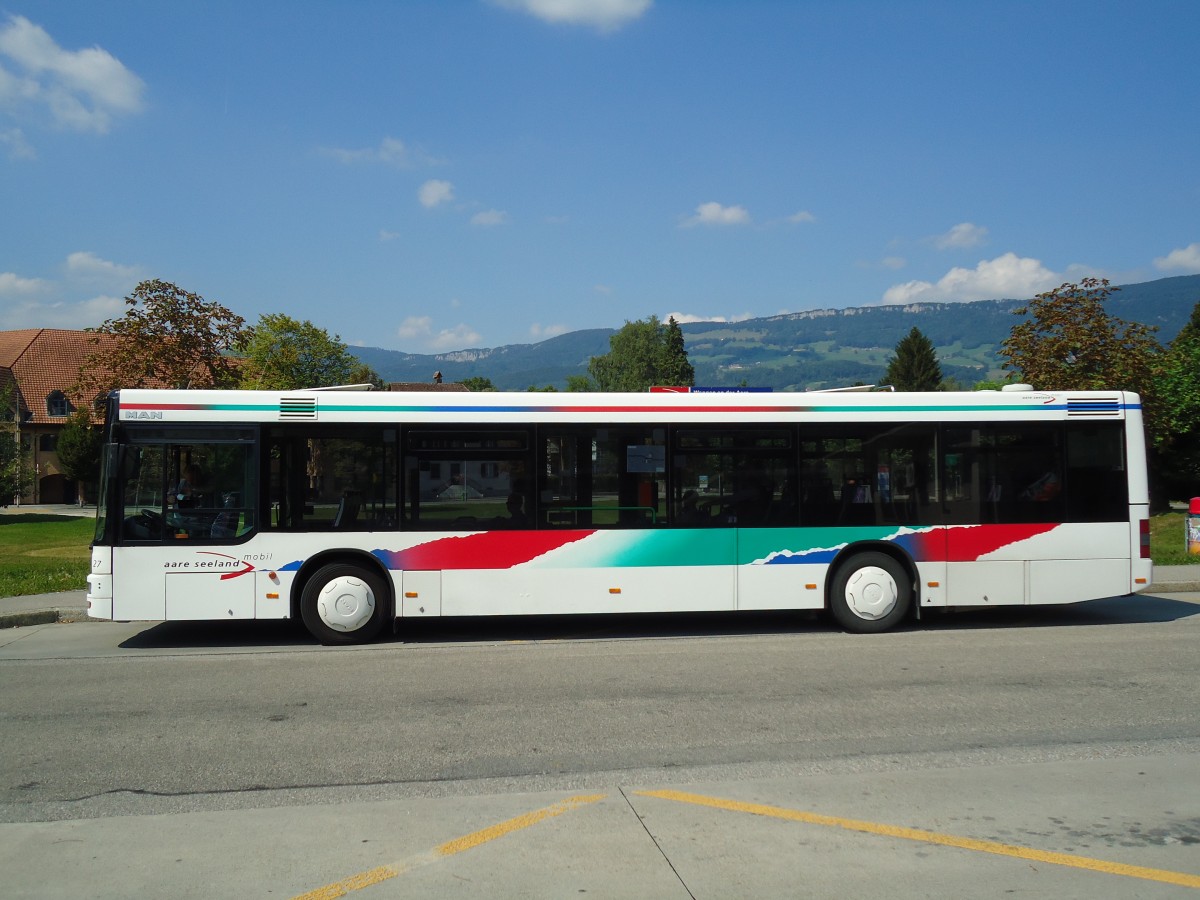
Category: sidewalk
[71,606]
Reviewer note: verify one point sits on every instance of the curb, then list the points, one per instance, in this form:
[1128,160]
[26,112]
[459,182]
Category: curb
[42,617]
[1177,587]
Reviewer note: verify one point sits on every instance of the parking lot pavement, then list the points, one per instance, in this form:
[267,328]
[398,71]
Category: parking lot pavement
[1086,827]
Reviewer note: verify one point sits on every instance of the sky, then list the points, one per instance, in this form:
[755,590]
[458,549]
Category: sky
[436,176]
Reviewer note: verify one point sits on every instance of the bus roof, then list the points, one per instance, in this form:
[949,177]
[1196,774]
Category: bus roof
[336,406]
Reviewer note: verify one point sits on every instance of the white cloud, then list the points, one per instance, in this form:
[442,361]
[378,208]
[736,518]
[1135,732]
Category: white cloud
[684,318]
[1005,276]
[603,15]
[13,285]
[420,329]
[434,193]
[964,234]
[802,217]
[89,268]
[1185,259]
[893,262]
[385,235]
[457,338]
[83,89]
[415,327]
[489,218]
[716,214]
[542,332]
[391,152]
[18,147]
[60,314]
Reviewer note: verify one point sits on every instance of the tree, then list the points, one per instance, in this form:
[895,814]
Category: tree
[915,366]
[1068,342]
[579,384]
[16,472]
[1176,437]
[641,354]
[79,447]
[285,354]
[167,337]
[674,368]
[364,374]
[478,383]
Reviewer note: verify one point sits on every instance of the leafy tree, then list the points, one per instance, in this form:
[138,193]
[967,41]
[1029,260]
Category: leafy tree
[79,446]
[478,383]
[1176,438]
[579,384]
[285,354]
[16,471]
[167,337]
[1068,342]
[641,354]
[15,476]
[674,368]
[915,366]
[364,374]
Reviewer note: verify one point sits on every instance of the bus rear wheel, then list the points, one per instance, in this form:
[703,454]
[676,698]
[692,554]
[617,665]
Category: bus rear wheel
[343,604]
[870,593]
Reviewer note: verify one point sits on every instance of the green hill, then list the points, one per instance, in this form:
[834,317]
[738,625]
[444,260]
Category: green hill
[798,351]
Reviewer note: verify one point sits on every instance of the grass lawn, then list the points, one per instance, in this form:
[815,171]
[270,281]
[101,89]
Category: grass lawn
[40,554]
[1168,541]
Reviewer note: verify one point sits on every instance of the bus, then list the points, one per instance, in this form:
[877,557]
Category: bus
[354,510]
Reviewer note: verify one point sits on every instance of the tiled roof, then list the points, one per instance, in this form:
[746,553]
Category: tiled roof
[45,360]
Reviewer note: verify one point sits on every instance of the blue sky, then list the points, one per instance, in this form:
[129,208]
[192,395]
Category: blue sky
[431,176]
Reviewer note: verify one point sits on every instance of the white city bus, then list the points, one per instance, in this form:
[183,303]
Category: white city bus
[354,510]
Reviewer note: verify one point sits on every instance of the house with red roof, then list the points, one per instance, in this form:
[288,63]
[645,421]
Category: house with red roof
[42,367]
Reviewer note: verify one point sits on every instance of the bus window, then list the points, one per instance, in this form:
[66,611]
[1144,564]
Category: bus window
[1097,487]
[332,479]
[1003,473]
[868,474]
[187,491]
[467,479]
[602,476]
[734,476]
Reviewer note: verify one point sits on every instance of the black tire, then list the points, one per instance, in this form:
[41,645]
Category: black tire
[870,593]
[344,604]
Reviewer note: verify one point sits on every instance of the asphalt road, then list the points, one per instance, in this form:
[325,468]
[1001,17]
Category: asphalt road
[1069,731]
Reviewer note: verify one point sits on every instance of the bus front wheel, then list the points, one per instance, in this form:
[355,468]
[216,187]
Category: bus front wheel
[870,593]
[343,604]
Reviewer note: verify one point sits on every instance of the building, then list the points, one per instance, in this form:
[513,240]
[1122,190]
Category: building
[39,370]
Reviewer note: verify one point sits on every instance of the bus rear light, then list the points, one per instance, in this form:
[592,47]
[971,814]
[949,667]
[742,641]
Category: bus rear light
[1144,532]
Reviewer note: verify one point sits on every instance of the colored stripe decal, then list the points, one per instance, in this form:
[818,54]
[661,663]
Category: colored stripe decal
[615,549]
[484,550]
[604,410]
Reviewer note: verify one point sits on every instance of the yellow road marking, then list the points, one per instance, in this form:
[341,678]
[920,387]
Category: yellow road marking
[1182,879]
[450,848]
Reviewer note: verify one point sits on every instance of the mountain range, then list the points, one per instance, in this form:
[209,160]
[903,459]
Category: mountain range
[818,348]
